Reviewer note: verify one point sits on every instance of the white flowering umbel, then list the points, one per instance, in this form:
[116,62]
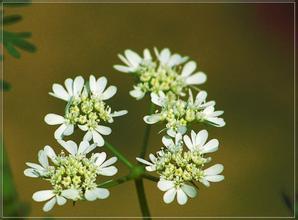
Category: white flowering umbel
[86,108]
[167,72]
[72,176]
[178,114]
[180,168]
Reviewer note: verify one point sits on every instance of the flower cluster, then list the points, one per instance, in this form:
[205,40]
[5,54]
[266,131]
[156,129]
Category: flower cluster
[168,79]
[85,109]
[167,72]
[73,175]
[180,168]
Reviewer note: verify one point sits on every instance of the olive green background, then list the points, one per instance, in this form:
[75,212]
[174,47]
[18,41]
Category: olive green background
[246,51]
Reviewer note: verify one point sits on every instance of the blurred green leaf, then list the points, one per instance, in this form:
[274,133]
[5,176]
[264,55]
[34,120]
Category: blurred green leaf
[16,3]
[5,86]
[11,19]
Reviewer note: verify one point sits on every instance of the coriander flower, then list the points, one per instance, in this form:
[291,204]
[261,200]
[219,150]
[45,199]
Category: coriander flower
[71,176]
[165,73]
[86,110]
[180,168]
[178,114]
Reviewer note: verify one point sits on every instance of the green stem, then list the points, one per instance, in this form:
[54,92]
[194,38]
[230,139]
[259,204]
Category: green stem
[147,133]
[142,198]
[116,182]
[120,156]
[149,177]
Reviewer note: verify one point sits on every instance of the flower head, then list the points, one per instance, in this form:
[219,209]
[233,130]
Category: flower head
[86,109]
[71,176]
[178,168]
[165,73]
[178,113]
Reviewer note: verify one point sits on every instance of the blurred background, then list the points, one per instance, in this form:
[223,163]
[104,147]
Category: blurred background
[246,51]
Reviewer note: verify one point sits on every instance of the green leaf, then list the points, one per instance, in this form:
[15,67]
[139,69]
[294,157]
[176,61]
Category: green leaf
[24,34]
[11,19]
[11,50]
[5,86]
[25,45]
[16,3]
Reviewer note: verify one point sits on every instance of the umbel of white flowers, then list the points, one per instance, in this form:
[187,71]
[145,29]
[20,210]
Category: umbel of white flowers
[72,176]
[179,169]
[167,72]
[86,108]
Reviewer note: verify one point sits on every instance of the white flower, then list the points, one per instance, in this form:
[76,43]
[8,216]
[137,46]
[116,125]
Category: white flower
[133,61]
[137,93]
[95,133]
[103,167]
[73,89]
[191,78]
[72,148]
[182,191]
[211,174]
[72,176]
[197,142]
[53,198]
[166,58]
[87,110]
[98,86]
[37,170]
[173,145]
[151,166]
[211,116]
[200,101]
[65,128]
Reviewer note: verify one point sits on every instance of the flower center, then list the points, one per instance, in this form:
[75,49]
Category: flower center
[73,172]
[87,111]
[161,78]
[181,166]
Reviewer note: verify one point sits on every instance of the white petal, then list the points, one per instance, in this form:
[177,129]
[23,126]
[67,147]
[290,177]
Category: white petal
[165,185]
[34,166]
[133,57]
[70,194]
[42,195]
[90,194]
[101,84]
[84,145]
[167,141]
[70,146]
[181,197]
[108,171]
[61,200]
[78,85]
[100,158]
[137,93]
[123,59]
[83,127]
[50,152]
[60,92]
[109,162]
[30,173]
[188,68]
[201,97]
[49,205]
[43,159]
[59,131]
[147,55]
[102,193]
[188,143]
[103,130]
[88,136]
[174,60]
[189,190]
[196,79]
[210,147]
[97,138]
[216,178]
[201,138]
[214,170]
[218,122]
[144,161]
[119,113]
[169,196]
[124,69]
[92,84]
[69,86]
[54,119]
[69,130]
[110,92]
[164,56]
[152,119]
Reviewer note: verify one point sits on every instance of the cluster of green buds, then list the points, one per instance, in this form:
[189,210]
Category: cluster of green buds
[73,172]
[87,110]
[180,166]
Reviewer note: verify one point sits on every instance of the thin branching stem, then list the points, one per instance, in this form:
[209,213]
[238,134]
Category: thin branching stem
[120,156]
[142,198]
